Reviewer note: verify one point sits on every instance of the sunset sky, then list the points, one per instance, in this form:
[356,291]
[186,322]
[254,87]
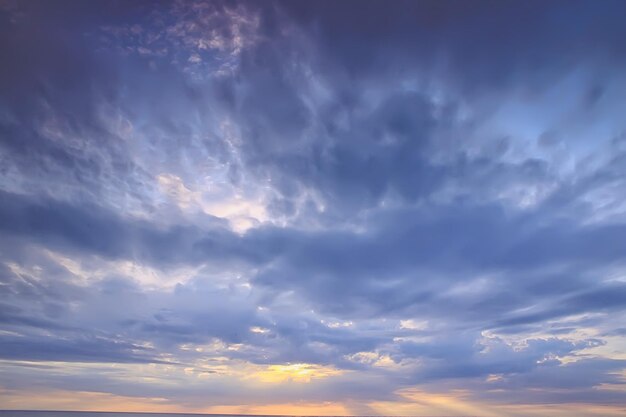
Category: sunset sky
[314,207]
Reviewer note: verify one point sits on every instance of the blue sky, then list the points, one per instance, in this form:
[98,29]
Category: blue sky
[355,207]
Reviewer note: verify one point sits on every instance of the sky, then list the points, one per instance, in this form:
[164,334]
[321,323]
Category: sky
[314,207]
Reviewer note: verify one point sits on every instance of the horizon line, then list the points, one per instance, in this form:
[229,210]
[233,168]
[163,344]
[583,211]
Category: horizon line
[215,414]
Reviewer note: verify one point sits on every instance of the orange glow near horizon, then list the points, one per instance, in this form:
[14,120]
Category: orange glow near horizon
[412,403]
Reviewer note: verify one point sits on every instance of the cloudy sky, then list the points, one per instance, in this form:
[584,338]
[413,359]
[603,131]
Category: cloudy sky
[354,207]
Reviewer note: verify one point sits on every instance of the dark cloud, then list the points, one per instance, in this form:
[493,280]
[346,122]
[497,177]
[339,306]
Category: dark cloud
[75,350]
[483,44]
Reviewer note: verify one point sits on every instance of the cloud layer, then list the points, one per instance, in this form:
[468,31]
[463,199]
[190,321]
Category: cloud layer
[305,207]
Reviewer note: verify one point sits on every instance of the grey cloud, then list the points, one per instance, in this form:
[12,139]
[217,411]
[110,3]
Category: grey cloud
[83,349]
[374,139]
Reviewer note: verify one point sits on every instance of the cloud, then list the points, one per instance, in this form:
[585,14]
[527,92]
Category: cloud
[200,198]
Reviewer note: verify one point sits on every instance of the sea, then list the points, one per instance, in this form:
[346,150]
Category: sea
[11,413]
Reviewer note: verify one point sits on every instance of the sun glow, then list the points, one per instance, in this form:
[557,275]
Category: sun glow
[295,372]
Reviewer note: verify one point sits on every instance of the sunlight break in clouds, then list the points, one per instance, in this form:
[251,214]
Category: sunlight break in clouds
[313,208]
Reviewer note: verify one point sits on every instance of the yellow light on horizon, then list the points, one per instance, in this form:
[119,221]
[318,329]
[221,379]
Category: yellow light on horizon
[294,372]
